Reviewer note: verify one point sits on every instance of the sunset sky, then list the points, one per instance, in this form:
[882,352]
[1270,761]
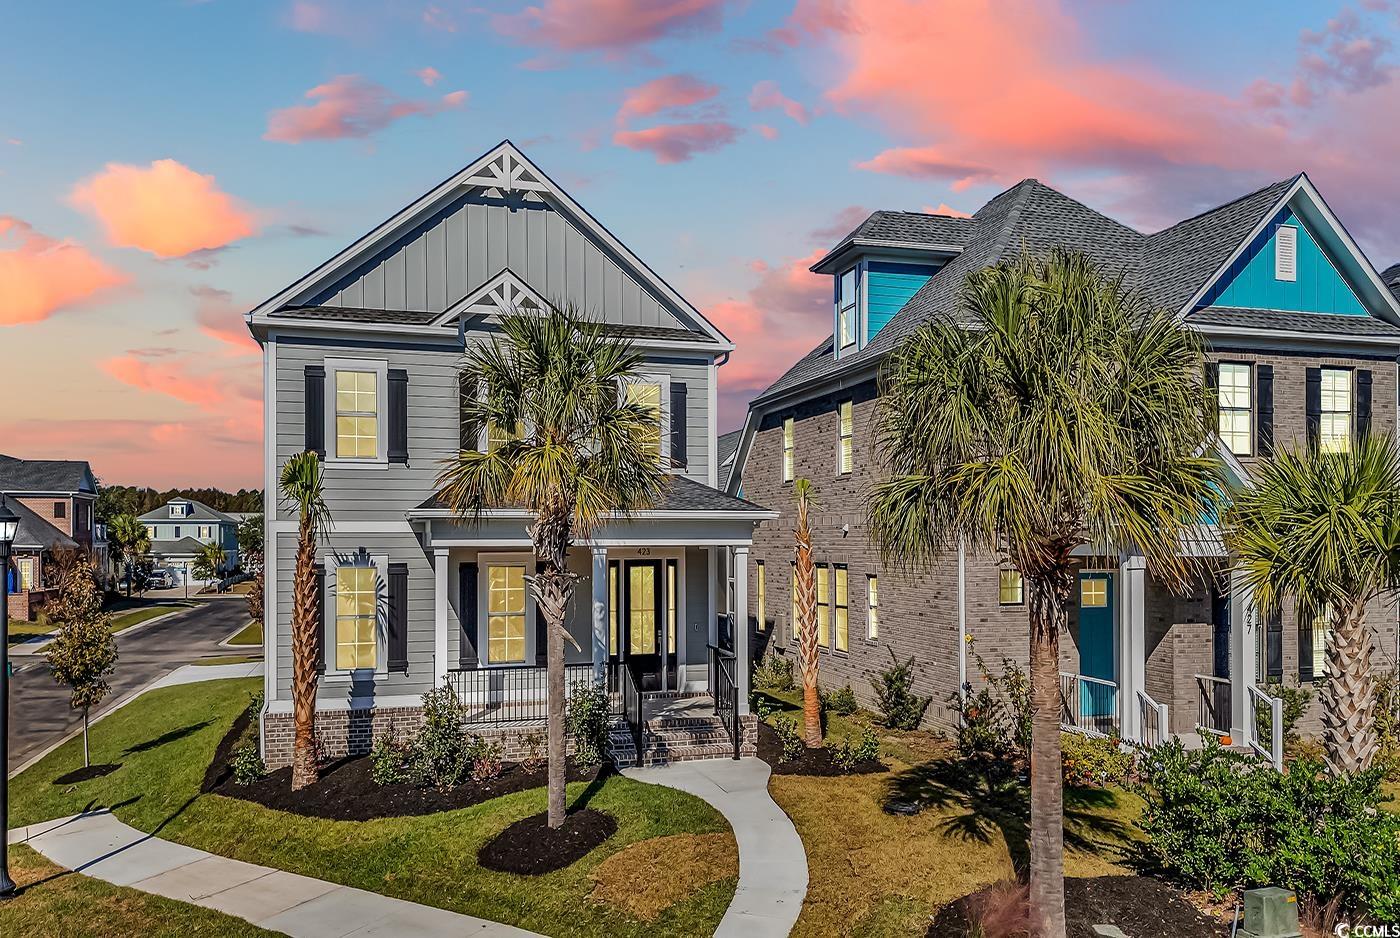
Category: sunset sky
[165,165]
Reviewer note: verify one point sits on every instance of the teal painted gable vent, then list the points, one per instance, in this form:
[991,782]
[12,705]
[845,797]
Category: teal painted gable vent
[889,286]
[1257,278]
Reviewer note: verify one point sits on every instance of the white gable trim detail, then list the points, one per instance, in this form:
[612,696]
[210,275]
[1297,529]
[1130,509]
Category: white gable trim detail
[1378,296]
[503,165]
[503,293]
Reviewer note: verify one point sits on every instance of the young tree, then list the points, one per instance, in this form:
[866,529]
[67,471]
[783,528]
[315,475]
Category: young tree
[84,651]
[805,583]
[250,544]
[209,562]
[301,485]
[1323,528]
[1057,410]
[128,541]
[564,442]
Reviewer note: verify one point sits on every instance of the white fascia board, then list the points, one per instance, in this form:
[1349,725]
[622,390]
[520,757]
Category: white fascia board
[1316,338]
[288,328]
[426,514]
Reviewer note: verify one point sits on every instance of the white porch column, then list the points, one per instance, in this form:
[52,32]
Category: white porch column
[741,626]
[1244,661]
[600,614]
[1132,645]
[441,619]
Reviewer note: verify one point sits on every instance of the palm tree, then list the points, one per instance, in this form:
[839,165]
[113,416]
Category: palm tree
[301,486]
[565,443]
[128,540]
[210,561]
[1056,411]
[804,578]
[1324,529]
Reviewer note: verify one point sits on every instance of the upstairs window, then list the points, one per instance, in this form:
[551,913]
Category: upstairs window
[1011,588]
[650,394]
[787,449]
[847,290]
[1235,416]
[762,587]
[846,434]
[872,607]
[60,510]
[1334,428]
[356,415]
[1286,253]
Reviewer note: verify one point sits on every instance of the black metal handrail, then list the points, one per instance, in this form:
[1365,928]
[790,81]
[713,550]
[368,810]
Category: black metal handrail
[510,694]
[1214,704]
[631,680]
[725,691]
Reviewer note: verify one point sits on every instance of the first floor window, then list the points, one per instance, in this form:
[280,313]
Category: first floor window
[612,608]
[1316,637]
[823,605]
[787,450]
[843,611]
[356,415]
[1334,429]
[505,613]
[1011,590]
[846,439]
[872,607]
[25,565]
[356,602]
[762,587]
[1236,417]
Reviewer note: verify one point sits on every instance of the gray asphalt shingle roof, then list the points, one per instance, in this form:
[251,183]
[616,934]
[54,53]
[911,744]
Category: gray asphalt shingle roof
[44,475]
[1319,323]
[912,228]
[683,494]
[185,545]
[410,317]
[202,512]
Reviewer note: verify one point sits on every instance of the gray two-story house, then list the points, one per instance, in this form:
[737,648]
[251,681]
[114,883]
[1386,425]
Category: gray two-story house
[361,362]
[1302,336]
[181,529]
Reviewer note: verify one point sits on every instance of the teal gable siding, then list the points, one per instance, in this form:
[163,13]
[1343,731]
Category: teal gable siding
[888,287]
[1250,284]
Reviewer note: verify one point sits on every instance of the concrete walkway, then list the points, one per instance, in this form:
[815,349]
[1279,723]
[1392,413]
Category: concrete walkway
[772,863]
[101,846]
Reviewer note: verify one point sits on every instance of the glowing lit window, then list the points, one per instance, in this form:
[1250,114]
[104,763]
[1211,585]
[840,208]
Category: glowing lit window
[872,607]
[823,605]
[356,415]
[841,636]
[1334,428]
[1236,418]
[846,437]
[762,597]
[1011,588]
[505,613]
[355,605]
[641,609]
[1093,592]
[787,450]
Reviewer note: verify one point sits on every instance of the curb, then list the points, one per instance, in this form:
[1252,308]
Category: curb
[227,642]
[36,646]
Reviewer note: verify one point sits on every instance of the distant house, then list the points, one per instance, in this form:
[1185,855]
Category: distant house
[54,499]
[180,529]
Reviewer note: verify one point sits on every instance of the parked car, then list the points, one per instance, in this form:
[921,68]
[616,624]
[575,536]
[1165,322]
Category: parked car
[163,578]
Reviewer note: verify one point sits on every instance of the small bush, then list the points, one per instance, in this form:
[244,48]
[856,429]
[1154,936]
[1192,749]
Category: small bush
[848,755]
[486,759]
[1094,761]
[247,764]
[786,728]
[441,756]
[389,760]
[841,702]
[1295,704]
[1388,723]
[774,672]
[761,707]
[534,748]
[586,720]
[995,721]
[901,708]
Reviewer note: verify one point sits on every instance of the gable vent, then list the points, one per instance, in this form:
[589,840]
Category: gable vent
[1286,253]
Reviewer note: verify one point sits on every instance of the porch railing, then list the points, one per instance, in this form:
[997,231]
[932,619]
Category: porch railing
[511,695]
[630,683]
[1152,720]
[1213,704]
[1089,705]
[725,691]
[1262,705]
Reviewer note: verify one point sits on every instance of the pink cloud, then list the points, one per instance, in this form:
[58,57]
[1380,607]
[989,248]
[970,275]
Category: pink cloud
[945,209]
[766,131]
[166,208]
[436,18]
[42,275]
[220,319]
[767,94]
[609,26]
[349,106]
[429,75]
[665,93]
[676,143]
[205,391]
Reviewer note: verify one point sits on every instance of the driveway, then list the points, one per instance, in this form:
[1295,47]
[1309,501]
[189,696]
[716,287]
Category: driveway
[39,711]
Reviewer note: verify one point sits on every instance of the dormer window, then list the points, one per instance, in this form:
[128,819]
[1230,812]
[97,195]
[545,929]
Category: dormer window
[847,306]
[179,510]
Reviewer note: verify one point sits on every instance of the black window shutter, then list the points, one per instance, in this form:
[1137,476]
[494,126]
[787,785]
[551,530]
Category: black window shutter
[541,635]
[1306,665]
[315,410]
[466,615]
[320,656]
[1213,395]
[1363,403]
[398,415]
[1273,648]
[398,617]
[466,433]
[1264,407]
[1313,408]
[678,454]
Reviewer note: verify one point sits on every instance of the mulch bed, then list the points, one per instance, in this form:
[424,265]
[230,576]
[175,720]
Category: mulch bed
[816,762]
[346,792]
[530,847]
[87,773]
[1140,906]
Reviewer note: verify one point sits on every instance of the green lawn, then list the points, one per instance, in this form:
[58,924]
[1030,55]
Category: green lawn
[251,634]
[19,631]
[56,903]
[164,741]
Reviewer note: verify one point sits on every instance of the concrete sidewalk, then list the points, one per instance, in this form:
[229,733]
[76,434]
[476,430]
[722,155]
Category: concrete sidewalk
[772,862]
[101,846]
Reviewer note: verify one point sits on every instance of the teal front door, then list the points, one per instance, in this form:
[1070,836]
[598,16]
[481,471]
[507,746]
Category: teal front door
[1098,653]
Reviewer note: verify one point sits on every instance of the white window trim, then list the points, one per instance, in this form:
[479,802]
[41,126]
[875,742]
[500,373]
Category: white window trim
[1350,379]
[380,368]
[858,268]
[484,561]
[664,380]
[849,402]
[335,675]
[872,607]
[1249,406]
[788,473]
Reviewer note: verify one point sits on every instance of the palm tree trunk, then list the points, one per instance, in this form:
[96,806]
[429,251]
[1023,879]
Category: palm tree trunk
[1349,696]
[553,587]
[805,582]
[1048,597]
[305,618]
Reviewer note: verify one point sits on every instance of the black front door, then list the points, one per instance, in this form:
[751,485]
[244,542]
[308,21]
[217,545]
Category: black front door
[643,608]
[1220,630]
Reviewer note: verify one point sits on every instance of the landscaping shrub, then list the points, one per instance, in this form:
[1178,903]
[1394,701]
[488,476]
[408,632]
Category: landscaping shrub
[1095,761]
[774,672]
[995,720]
[247,763]
[1388,723]
[586,720]
[848,755]
[1295,704]
[486,759]
[842,702]
[788,735]
[901,708]
[534,747]
[389,760]
[441,751]
[1222,820]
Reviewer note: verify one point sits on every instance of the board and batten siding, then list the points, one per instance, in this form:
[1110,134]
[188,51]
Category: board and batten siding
[455,250]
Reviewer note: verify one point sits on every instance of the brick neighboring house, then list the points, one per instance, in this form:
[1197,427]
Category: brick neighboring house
[1302,336]
[54,500]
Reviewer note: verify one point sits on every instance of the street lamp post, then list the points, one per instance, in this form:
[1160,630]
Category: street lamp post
[9,525]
